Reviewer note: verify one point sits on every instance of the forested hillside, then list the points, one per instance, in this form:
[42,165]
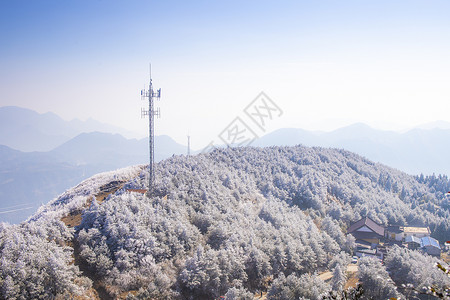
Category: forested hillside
[229,223]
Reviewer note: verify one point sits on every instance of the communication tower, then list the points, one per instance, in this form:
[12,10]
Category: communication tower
[151,113]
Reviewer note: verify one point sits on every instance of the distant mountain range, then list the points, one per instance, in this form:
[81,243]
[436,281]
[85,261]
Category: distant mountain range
[28,180]
[62,155]
[416,151]
[26,130]
[113,150]
[434,125]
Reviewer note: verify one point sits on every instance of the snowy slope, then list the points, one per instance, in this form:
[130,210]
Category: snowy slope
[231,222]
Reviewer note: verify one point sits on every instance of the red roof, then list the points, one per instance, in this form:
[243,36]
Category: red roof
[369,223]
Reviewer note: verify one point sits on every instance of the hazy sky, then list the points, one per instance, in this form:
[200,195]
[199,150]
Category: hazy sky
[326,64]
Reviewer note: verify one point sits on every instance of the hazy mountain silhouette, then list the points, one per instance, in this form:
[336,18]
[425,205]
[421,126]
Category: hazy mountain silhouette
[28,180]
[114,149]
[26,130]
[437,124]
[415,151]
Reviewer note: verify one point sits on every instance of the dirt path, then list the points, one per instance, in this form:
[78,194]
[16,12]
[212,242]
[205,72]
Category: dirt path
[263,297]
[352,276]
[74,218]
[351,268]
[326,276]
[352,280]
[98,290]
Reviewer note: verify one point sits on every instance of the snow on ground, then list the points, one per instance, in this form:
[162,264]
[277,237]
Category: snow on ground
[78,196]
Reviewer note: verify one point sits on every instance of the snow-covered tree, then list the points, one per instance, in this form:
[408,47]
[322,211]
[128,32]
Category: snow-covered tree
[339,278]
[375,280]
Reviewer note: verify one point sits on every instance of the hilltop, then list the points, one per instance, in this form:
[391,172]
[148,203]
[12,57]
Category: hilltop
[231,222]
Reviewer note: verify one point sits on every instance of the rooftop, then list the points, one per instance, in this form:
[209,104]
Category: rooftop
[369,223]
[424,230]
[368,251]
[429,241]
[410,239]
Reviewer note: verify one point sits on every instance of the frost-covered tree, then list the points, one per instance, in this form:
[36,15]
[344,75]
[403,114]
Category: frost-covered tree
[35,263]
[293,287]
[342,259]
[375,280]
[238,294]
[408,267]
[339,278]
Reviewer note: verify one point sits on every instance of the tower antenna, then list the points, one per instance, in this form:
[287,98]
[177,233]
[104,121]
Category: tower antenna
[151,113]
[189,145]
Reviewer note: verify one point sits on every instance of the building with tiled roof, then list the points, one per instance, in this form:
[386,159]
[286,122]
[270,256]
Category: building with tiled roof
[367,230]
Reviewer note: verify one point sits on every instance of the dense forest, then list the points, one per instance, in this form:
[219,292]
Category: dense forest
[229,223]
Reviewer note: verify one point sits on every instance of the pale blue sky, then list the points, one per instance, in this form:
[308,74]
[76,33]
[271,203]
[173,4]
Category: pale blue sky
[325,63]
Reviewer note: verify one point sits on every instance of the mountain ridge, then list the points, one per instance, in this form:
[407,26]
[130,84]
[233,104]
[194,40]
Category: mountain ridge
[415,151]
[231,222]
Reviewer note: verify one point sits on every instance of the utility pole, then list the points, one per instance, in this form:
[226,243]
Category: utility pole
[151,113]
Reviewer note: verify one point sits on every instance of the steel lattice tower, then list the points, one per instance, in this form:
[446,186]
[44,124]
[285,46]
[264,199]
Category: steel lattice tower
[151,113]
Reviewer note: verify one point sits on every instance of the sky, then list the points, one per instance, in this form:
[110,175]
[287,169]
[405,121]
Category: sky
[324,64]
